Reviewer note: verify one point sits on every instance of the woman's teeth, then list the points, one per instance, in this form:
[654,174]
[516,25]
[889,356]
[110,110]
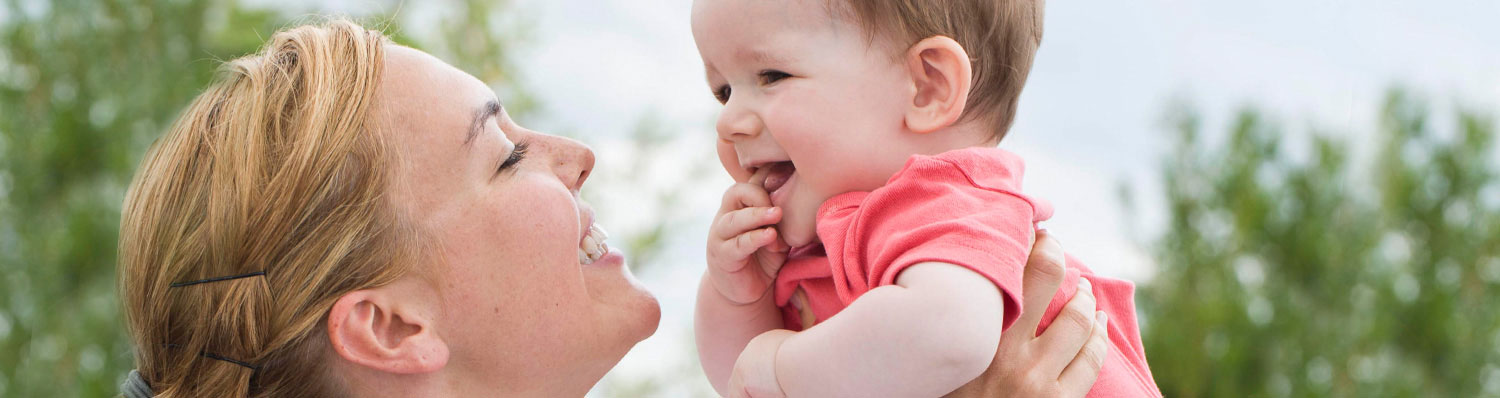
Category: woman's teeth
[593,247]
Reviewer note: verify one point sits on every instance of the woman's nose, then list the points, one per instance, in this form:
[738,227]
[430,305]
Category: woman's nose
[571,160]
[737,122]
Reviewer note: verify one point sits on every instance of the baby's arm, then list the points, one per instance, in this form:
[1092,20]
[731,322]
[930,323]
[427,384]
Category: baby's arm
[723,328]
[734,300]
[926,335]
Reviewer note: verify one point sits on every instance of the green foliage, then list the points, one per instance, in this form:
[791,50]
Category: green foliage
[479,36]
[85,86]
[1325,276]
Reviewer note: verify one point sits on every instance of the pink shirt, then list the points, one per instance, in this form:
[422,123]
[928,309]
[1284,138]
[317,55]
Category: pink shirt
[962,207]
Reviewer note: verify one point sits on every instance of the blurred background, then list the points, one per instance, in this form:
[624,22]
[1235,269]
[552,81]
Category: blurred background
[1305,192]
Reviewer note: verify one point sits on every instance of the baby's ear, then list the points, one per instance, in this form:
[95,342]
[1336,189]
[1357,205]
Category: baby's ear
[941,75]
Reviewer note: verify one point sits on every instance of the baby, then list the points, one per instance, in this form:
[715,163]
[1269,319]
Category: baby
[874,243]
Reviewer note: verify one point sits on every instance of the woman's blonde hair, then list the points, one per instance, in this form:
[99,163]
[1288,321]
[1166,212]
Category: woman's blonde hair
[275,169]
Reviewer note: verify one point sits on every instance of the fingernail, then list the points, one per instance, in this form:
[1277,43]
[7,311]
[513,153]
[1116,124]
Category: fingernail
[1102,317]
[1085,285]
[773,211]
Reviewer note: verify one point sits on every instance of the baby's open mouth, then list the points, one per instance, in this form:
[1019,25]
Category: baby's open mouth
[777,175]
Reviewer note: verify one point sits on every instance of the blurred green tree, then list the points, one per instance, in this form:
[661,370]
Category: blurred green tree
[85,86]
[1316,277]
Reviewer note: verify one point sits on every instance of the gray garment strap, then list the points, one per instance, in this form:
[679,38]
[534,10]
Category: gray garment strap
[135,386]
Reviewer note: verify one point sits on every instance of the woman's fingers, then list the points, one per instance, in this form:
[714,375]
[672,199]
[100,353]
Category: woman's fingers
[1070,330]
[1043,274]
[1080,375]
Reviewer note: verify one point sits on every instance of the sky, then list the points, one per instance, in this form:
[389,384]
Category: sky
[1090,118]
[1090,121]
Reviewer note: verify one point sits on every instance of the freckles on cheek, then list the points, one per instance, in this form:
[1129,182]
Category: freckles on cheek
[537,229]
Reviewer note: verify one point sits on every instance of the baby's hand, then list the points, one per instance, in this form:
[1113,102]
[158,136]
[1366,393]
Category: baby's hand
[744,249]
[754,373]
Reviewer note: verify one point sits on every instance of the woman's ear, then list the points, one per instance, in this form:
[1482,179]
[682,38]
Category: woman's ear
[388,329]
[942,75]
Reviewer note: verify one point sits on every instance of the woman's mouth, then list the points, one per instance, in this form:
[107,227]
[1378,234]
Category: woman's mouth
[777,176]
[592,247]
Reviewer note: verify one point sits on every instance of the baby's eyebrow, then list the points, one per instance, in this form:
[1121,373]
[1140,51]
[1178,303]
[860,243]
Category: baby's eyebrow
[760,57]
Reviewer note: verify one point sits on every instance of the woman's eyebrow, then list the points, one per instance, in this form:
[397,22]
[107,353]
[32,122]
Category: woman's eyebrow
[486,111]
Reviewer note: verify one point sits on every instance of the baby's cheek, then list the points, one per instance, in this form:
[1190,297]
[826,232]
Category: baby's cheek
[731,161]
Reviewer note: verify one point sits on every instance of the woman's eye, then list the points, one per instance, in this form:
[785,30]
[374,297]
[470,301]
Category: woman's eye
[772,76]
[516,156]
[722,94]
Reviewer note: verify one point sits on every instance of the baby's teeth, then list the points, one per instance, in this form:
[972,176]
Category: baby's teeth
[598,230]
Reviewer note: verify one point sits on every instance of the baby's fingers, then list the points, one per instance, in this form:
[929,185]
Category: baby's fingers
[743,245]
[737,222]
[743,195]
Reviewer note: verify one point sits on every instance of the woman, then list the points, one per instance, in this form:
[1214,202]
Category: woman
[343,216]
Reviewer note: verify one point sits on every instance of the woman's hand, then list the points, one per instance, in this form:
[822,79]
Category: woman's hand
[1064,360]
[744,249]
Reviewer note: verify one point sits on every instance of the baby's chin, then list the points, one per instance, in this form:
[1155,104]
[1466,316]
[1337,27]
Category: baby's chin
[797,234]
[799,225]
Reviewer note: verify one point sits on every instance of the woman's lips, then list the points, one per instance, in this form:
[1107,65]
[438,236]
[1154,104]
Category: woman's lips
[611,257]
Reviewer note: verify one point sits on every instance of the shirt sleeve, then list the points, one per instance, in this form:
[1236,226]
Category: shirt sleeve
[931,211]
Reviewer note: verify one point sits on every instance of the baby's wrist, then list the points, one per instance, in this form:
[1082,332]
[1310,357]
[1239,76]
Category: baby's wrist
[737,291]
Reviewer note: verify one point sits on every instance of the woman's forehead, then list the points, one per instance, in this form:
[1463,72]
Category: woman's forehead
[424,95]
[426,108]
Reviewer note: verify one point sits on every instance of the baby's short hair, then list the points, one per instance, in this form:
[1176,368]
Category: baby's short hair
[1001,37]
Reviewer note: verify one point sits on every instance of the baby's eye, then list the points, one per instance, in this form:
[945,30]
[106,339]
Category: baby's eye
[721,93]
[770,76]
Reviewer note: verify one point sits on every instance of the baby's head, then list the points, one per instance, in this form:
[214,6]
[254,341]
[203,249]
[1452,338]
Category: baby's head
[823,97]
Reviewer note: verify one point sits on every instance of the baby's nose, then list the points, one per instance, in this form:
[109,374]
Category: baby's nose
[737,122]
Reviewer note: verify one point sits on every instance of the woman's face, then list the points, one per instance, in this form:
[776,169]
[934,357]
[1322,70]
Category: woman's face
[524,308]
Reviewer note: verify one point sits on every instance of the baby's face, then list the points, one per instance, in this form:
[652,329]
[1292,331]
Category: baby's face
[806,96]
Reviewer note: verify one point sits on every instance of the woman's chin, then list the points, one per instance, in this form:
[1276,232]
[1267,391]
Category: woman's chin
[623,300]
